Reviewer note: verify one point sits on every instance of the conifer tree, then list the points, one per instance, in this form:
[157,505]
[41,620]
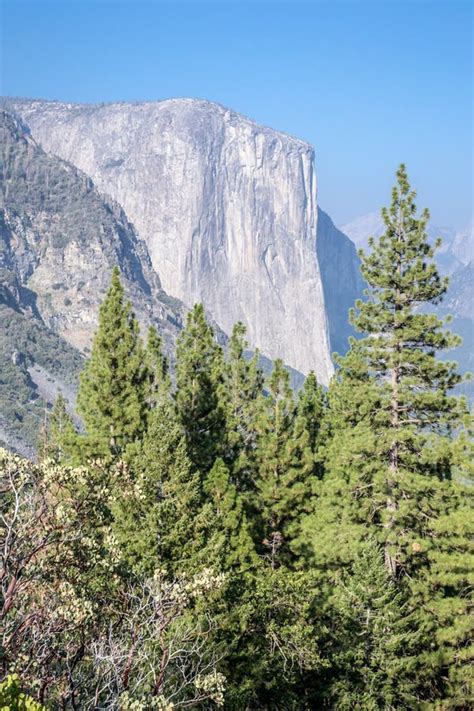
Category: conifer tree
[58,434]
[111,399]
[199,391]
[285,468]
[157,369]
[390,412]
[442,592]
[229,544]
[372,639]
[389,451]
[157,512]
[243,387]
[310,409]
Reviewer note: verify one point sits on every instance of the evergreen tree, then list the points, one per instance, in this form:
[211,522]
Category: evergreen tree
[387,436]
[243,387]
[390,412]
[157,369]
[442,591]
[157,510]
[401,350]
[58,434]
[310,409]
[372,639]
[229,546]
[111,399]
[285,468]
[199,391]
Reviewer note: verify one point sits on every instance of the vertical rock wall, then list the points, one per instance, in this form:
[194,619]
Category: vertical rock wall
[227,208]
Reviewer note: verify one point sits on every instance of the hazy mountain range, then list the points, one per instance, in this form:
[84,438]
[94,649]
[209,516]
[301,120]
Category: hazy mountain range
[194,202]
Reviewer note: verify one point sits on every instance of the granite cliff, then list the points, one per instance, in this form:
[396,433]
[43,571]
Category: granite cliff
[227,209]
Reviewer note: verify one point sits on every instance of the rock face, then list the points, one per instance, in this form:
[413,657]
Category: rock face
[227,209]
[342,280]
[59,240]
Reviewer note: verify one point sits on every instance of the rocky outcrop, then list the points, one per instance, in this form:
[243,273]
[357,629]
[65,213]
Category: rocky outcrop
[60,239]
[227,209]
[342,280]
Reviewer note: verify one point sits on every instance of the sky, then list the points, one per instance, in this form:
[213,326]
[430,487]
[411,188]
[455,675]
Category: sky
[369,84]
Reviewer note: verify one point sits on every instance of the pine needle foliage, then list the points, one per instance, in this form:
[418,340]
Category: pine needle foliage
[285,468]
[243,389]
[199,390]
[112,393]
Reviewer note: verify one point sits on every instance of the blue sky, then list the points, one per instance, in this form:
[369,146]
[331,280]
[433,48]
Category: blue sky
[369,84]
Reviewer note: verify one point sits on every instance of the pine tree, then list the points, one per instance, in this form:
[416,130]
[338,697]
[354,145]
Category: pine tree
[199,391]
[243,387]
[285,468]
[387,435]
[58,435]
[159,384]
[310,408]
[229,546]
[401,349]
[157,519]
[372,639]
[442,591]
[112,393]
[390,412]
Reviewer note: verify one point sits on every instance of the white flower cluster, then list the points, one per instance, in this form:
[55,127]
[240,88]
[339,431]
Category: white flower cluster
[213,685]
[204,581]
[71,607]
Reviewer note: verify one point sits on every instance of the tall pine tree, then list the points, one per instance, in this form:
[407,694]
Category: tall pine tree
[389,450]
[390,413]
[199,391]
[243,388]
[285,469]
[112,393]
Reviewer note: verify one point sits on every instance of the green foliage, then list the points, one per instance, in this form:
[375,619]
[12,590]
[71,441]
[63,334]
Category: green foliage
[310,409]
[157,369]
[272,641]
[243,388]
[13,699]
[158,500]
[229,544]
[443,593]
[112,394]
[285,468]
[372,641]
[390,453]
[199,390]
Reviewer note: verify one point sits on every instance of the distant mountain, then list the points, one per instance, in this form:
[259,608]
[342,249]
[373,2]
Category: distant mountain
[457,248]
[342,280]
[59,240]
